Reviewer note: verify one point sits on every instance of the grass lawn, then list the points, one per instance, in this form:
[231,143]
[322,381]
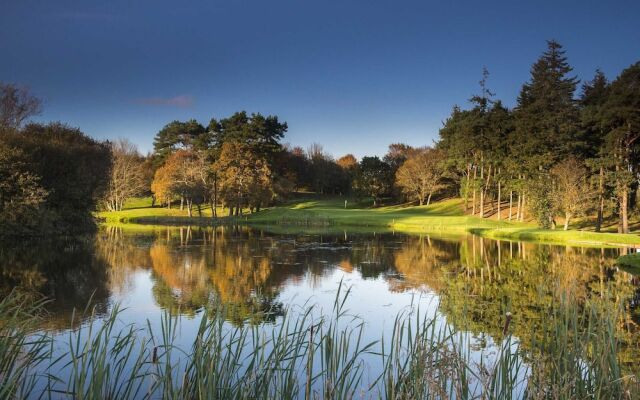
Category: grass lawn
[139,210]
[444,218]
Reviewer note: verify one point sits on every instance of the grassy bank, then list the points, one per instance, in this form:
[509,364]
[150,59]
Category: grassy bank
[444,218]
[308,356]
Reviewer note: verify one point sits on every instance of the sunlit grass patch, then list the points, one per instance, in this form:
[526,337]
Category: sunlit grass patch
[441,217]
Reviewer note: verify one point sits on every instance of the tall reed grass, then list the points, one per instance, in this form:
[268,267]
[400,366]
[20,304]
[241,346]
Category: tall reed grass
[310,356]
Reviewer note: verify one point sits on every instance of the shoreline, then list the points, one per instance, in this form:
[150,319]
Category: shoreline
[445,218]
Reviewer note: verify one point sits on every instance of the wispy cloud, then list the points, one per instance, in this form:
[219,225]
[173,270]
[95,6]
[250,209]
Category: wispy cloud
[182,101]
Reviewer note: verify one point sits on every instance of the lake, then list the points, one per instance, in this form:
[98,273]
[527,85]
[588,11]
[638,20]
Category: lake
[465,283]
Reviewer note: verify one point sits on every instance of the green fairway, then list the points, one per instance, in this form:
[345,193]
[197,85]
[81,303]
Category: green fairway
[140,211]
[330,214]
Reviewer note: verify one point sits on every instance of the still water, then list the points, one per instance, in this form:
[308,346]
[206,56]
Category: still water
[467,282]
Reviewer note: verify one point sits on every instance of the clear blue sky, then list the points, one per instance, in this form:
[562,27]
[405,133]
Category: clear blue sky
[351,75]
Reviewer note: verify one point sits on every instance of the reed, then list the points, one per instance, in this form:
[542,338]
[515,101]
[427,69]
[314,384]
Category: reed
[20,352]
[311,355]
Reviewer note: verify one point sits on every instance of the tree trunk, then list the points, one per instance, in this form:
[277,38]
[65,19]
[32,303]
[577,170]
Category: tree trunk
[624,205]
[482,192]
[567,217]
[473,199]
[499,200]
[600,201]
[466,190]
[169,204]
[510,203]
[518,207]
[213,209]
[429,199]
[189,208]
[522,208]
[181,203]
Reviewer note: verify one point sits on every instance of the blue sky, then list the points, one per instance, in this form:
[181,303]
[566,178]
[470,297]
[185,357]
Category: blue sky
[351,75]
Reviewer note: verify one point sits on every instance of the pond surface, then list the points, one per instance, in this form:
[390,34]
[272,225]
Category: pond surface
[467,282]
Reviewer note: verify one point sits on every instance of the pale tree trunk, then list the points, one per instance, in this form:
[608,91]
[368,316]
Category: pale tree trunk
[624,205]
[518,206]
[482,192]
[429,199]
[214,211]
[522,207]
[601,200]
[499,200]
[473,198]
[567,217]
[510,203]
[485,189]
[181,203]
[466,191]
[189,207]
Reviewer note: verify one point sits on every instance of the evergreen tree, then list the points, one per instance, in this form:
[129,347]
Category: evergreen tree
[546,115]
[174,136]
[546,124]
[620,117]
[594,95]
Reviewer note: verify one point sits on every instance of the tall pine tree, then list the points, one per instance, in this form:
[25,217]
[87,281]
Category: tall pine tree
[546,124]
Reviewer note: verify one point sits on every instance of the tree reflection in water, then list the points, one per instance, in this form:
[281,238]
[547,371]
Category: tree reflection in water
[476,280]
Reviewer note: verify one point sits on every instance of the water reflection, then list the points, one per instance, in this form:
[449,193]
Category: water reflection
[476,280]
[71,274]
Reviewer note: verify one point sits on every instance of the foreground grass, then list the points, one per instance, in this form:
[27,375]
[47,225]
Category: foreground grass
[443,218]
[307,356]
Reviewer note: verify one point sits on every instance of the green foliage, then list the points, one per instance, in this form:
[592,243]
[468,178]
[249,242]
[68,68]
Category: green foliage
[541,202]
[177,135]
[546,115]
[262,134]
[21,195]
[374,178]
[60,177]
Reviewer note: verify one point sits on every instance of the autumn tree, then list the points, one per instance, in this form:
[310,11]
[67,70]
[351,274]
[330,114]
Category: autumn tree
[245,178]
[571,193]
[421,174]
[127,174]
[179,177]
[347,162]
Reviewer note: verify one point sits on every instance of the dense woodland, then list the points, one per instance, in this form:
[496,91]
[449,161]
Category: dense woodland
[568,149]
